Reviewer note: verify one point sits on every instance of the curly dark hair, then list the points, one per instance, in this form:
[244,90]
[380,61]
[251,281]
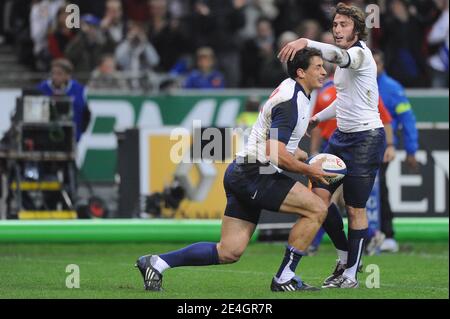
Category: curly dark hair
[358,17]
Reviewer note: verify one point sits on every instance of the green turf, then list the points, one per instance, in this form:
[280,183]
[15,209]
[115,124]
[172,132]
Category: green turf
[420,270]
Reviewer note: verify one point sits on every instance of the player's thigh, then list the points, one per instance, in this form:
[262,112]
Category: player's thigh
[301,200]
[235,236]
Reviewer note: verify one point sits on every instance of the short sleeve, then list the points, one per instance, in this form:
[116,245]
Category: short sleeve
[284,119]
[356,57]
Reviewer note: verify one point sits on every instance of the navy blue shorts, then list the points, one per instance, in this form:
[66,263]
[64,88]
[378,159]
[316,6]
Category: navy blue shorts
[363,154]
[248,191]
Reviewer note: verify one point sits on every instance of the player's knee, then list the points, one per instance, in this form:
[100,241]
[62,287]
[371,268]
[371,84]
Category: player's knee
[320,212]
[228,256]
[354,212]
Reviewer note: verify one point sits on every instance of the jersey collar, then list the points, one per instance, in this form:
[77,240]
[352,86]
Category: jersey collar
[357,44]
[300,88]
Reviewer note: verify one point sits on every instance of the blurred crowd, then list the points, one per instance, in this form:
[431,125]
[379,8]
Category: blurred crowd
[127,44]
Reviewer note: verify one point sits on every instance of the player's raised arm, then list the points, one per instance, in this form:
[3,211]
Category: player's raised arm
[351,58]
[348,29]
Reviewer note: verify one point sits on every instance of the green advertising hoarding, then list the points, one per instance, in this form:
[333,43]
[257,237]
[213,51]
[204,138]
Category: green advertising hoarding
[110,113]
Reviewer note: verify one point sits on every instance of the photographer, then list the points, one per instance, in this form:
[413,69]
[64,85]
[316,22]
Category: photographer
[61,83]
[136,53]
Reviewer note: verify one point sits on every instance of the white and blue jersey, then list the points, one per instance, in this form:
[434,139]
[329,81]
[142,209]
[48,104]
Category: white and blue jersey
[284,117]
[360,138]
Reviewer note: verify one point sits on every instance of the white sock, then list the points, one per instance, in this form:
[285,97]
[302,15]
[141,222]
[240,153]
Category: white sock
[351,272]
[342,256]
[286,275]
[159,264]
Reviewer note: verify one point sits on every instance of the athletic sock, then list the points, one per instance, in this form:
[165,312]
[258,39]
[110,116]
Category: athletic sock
[318,239]
[198,254]
[334,226]
[290,261]
[356,245]
[343,256]
[159,264]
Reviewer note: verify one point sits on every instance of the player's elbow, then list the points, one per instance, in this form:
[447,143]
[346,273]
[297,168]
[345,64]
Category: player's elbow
[277,154]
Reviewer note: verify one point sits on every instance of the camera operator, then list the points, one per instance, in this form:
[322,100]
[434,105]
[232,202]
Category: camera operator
[61,83]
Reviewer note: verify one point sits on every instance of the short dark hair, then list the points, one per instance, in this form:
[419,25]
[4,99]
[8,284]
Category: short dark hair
[302,60]
[357,15]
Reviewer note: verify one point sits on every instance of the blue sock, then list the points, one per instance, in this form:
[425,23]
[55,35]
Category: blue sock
[290,261]
[334,226]
[318,239]
[198,254]
[355,250]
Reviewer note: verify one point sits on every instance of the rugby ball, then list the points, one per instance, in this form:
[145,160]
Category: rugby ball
[332,164]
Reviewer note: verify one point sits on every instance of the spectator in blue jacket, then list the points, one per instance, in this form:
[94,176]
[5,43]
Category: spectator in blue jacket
[395,100]
[61,83]
[205,76]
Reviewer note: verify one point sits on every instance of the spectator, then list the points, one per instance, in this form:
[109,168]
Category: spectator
[135,53]
[42,16]
[309,29]
[106,75]
[16,29]
[166,34]
[113,25]
[60,36]
[179,9]
[402,43]
[136,10]
[94,7]
[15,19]
[439,61]
[137,56]
[216,23]
[256,51]
[292,11]
[205,76]
[61,83]
[87,47]
[272,70]
[253,11]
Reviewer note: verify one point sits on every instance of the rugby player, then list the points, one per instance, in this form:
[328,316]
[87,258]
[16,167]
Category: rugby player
[359,139]
[255,181]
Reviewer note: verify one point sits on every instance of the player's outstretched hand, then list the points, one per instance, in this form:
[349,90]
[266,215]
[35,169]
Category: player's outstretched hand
[313,122]
[288,52]
[318,174]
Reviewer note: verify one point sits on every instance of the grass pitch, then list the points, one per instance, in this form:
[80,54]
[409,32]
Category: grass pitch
[419,270]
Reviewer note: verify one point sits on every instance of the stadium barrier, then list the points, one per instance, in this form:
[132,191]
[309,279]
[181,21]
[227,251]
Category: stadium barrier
[173,230]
